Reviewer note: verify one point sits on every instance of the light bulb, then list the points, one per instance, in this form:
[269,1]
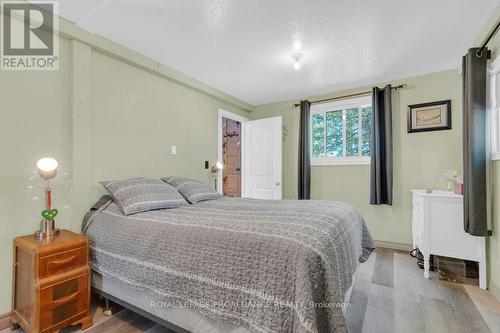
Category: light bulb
[46,164]
[296,65]
[47,168]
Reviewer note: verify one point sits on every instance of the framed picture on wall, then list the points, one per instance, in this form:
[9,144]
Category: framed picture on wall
[433,116]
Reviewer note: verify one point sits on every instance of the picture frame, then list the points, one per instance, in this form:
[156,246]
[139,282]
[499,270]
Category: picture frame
[433,116]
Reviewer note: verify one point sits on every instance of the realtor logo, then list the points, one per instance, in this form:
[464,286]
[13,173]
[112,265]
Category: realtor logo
[29,38]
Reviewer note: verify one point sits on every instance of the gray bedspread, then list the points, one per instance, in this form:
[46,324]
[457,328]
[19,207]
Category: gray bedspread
[271,266]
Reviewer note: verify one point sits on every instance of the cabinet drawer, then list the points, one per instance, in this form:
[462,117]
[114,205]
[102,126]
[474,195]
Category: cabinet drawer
[63,301]
[62,262]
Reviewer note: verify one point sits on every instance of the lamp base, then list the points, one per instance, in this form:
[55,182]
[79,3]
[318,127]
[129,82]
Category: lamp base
[47,229]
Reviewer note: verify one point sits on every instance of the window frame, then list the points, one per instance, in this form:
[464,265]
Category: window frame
[323,108]
[493,107]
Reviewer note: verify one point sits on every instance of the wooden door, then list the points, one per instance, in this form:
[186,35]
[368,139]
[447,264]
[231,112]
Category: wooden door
[231,154]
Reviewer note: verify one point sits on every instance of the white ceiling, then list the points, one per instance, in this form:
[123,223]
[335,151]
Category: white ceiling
[244,48]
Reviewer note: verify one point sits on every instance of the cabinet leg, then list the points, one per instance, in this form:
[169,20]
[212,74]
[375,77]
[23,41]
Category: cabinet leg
[482,274]
[427,259]
[84,323]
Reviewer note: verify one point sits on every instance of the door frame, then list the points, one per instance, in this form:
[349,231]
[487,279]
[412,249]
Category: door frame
[236,117]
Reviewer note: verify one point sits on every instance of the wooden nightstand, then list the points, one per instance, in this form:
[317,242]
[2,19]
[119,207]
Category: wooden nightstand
[51,287]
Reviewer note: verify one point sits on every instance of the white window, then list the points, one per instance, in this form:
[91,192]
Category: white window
[340,132]
[493,106]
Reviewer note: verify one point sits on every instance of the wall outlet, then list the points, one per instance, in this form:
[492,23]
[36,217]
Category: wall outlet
[173,150]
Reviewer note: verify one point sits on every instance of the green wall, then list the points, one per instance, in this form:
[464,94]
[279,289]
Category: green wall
[34,122]
[136,116]
[106,113]
[419,158]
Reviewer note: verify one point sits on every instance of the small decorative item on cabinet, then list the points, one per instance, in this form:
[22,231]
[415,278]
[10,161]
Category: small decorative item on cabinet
[459,186]
[51,287]
[451,176]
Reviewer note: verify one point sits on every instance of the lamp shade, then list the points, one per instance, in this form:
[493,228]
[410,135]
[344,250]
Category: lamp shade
[47,168]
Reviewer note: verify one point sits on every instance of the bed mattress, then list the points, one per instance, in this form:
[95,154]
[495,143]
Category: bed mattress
[243,264]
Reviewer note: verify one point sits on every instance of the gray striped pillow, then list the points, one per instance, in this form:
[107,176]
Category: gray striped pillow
[143,194]
[178,181]
[195,192]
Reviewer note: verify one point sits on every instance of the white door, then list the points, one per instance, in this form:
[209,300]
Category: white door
[262,159]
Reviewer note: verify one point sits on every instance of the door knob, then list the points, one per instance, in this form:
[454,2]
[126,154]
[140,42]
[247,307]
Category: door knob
[278,184]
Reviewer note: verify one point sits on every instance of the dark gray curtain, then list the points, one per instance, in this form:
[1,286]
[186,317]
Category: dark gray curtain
[474,133]
[304,157]
[381,147]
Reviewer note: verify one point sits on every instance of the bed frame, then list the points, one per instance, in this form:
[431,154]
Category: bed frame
[172,327]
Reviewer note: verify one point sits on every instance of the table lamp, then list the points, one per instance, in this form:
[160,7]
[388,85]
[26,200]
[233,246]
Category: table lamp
[47,169]
[218,166]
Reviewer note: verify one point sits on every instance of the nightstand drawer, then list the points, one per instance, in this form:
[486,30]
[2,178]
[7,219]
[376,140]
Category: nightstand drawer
[62,262]
[63,301]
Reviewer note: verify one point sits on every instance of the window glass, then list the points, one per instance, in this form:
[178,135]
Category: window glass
[341,132]
[366,128]
[334,135]
[318,135]
[352,132]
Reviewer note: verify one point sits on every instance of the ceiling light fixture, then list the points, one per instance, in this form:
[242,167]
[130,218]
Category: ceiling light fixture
[296,61]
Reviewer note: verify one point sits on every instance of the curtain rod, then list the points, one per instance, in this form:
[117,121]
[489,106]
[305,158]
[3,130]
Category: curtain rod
[351,95]
[486,41]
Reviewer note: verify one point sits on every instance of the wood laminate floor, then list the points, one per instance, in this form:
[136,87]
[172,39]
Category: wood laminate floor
[390,295]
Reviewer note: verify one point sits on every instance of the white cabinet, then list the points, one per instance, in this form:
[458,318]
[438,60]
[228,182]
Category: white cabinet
[438,229]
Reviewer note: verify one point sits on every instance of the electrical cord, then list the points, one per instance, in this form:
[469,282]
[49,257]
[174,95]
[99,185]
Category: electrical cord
[415,253]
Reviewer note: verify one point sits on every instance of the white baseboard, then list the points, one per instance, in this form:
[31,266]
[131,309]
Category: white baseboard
[393,246]
[494,289]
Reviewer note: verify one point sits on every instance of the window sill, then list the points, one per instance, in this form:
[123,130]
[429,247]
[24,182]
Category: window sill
[495,156]
[341,161]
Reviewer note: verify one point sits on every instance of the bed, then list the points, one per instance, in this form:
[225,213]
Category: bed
[231,265]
